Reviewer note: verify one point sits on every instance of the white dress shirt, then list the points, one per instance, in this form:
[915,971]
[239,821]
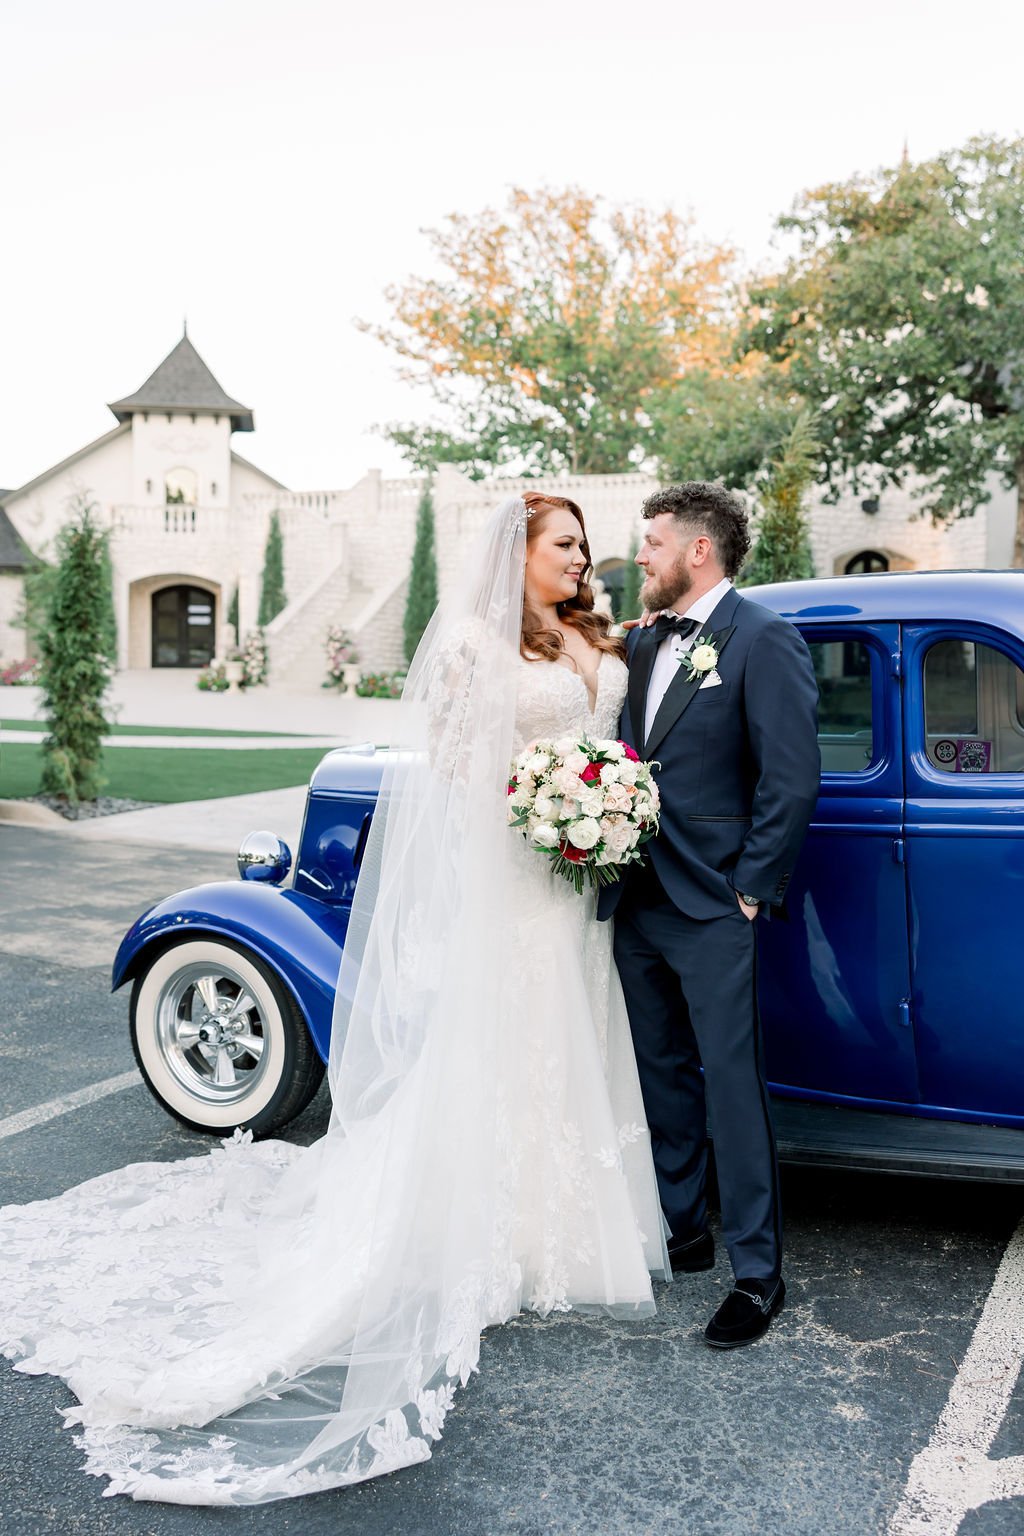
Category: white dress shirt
[671,649]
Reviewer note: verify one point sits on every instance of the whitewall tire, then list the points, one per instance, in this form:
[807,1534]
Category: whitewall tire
[220,1040]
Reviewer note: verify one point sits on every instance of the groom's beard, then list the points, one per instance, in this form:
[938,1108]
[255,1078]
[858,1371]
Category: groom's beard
[665,592]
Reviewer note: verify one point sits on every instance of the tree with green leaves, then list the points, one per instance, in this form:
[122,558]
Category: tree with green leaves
[549,328]
[422,596]
[725,426]
[783,548]
[77,656]
[901,319]
[272,593]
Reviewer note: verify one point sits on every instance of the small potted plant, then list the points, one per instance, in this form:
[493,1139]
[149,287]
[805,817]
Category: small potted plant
[342,661]
[234,669]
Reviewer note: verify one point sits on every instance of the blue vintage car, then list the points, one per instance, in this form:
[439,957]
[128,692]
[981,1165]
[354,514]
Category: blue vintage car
[891,998]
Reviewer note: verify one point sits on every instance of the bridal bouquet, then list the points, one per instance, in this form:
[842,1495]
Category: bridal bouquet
[586,805]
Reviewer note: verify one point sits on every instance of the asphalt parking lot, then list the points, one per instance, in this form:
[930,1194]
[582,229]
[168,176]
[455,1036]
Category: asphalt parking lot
[574,1424]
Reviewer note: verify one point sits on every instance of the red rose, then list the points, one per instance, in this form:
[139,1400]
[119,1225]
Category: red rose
[574,855]
[591,773]
[513,785]
[634,757]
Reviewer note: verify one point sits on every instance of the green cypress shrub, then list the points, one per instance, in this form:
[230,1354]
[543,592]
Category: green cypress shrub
[272,593]
[632,581]
[422,597]
[783,548]
[77,650]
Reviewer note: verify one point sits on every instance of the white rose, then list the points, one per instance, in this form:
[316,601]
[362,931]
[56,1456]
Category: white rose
[545,836]
[575,762]
[703,658]
[642,804]
[545,809]
[566,782]
[563,746]
[539,763]
[610,773]
[628,772]
[585,833]
[613,749]
[619,839]
[569,810]
[592,802]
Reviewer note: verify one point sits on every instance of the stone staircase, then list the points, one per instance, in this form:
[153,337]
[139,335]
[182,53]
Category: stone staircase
[372,617]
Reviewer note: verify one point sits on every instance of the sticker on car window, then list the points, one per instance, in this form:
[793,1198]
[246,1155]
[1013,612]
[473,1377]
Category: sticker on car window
[945,752]
[973,756]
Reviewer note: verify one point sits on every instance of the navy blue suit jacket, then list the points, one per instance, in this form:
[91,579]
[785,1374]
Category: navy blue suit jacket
[739,763]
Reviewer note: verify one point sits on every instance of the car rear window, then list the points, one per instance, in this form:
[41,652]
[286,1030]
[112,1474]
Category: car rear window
[846,733]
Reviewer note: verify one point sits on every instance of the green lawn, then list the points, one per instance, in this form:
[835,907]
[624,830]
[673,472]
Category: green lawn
[160,730]
[146,773]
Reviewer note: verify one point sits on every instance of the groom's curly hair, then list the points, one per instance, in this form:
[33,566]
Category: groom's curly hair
[701,506]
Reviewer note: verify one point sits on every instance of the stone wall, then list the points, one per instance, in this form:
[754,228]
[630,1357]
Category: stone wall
[12,636]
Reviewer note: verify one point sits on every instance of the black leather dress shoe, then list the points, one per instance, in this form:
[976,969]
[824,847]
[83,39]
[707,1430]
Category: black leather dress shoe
[745,1314]
[688,1258]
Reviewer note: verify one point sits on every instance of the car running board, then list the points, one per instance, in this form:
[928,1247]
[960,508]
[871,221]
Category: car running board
[873,1141]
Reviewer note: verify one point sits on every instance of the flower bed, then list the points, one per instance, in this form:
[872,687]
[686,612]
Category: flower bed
[381,685]
[20,674]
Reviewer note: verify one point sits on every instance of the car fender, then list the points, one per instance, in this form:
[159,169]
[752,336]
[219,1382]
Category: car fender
[298,937]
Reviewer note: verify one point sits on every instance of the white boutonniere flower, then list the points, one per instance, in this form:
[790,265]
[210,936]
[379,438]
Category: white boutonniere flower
[701,658]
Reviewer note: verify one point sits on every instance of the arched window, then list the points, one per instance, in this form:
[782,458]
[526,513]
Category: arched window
[181,487]
[867,562]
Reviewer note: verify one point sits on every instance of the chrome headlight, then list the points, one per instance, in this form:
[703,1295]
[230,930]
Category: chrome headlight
[263,856]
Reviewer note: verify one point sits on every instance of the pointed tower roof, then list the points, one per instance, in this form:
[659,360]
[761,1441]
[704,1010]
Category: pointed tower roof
[13,554]
[181,384]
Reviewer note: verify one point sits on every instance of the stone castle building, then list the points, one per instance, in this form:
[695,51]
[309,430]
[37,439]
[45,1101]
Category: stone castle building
[189,518]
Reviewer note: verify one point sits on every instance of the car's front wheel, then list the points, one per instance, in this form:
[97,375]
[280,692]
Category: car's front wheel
[220,1040]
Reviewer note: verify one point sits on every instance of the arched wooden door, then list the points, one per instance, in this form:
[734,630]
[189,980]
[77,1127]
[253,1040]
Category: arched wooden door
[183,627]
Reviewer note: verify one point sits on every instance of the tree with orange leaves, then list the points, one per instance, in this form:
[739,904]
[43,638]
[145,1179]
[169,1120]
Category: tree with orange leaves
[550,329]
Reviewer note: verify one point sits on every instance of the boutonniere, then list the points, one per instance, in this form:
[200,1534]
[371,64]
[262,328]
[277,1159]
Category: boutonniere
[701,658]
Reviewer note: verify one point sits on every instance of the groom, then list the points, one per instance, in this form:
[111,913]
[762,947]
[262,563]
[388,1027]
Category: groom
[722,694]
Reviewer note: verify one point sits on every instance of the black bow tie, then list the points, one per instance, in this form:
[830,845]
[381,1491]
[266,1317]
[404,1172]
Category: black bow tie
[669,624]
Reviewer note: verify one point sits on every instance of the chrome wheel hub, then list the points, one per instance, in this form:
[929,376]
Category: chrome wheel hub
[212,1033]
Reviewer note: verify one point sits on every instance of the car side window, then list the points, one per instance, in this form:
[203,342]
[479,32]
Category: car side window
[974,708]
[846,733]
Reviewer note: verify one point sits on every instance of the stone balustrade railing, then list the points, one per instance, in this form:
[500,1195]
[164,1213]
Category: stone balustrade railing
[178,520]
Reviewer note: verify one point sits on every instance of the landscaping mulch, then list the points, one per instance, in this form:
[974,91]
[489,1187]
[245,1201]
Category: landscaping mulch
[105,805]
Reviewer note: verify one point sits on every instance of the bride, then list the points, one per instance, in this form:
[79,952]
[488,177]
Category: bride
[268,1320]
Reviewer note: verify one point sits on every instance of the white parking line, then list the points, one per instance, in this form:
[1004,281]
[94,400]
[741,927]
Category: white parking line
[955,1473]
[69,1101]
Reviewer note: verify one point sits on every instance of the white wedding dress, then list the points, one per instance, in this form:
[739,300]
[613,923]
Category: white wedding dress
[265,1320]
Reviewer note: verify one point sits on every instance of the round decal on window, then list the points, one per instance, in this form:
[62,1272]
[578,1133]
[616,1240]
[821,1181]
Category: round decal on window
[945,752]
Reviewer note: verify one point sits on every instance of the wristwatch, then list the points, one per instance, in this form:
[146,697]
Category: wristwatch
[749,901]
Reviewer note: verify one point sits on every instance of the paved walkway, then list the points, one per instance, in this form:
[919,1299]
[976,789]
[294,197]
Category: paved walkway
[169,697]
[218,825]
[214,743]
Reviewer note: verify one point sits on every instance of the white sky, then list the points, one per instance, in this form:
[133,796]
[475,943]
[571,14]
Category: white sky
[266,168]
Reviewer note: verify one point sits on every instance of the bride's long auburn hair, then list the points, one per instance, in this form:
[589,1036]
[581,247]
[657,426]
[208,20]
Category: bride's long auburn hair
[539,643]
